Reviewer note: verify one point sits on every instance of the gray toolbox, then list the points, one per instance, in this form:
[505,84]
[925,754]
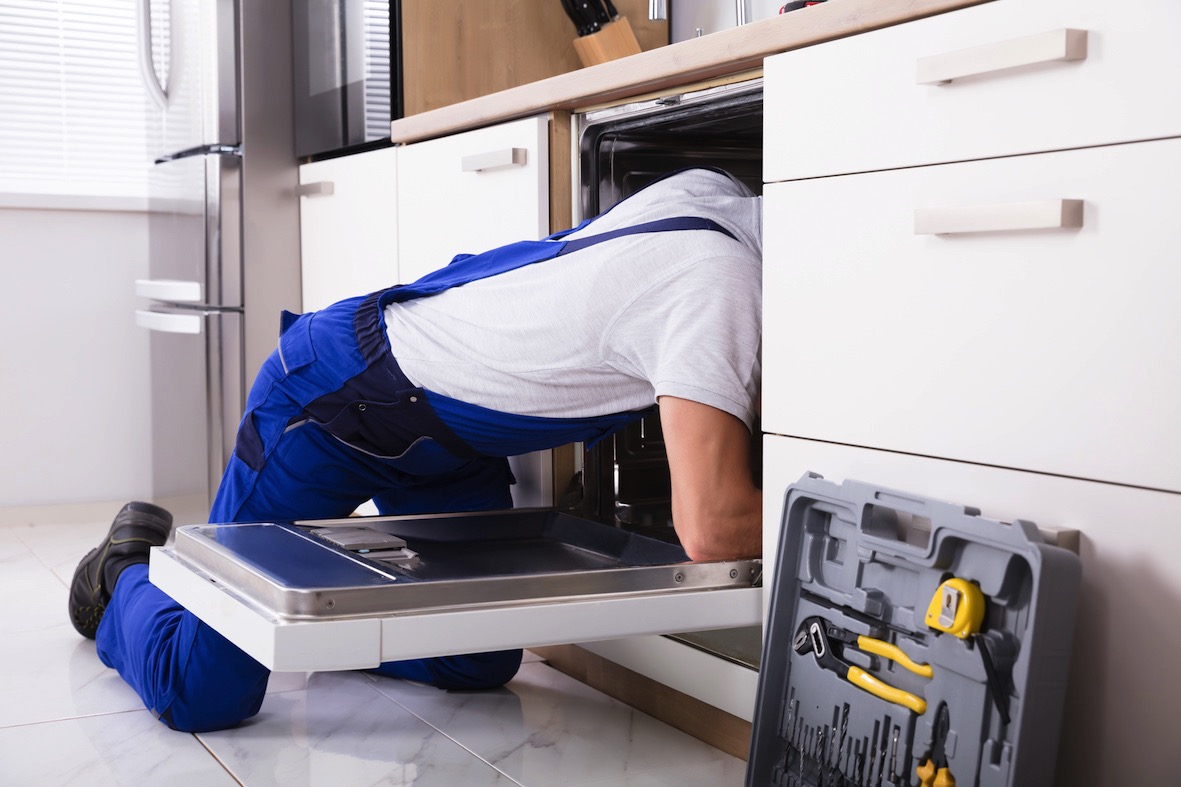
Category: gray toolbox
[910,640]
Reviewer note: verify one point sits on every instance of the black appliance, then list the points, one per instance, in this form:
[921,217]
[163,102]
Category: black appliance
[625,479]
[347,73]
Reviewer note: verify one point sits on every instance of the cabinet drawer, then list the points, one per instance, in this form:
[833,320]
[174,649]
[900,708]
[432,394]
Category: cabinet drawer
[471,192]
[348,227]
[1052,350]
[855,105]
[1127,539]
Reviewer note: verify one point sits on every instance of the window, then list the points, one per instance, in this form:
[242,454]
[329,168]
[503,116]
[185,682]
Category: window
[72,102]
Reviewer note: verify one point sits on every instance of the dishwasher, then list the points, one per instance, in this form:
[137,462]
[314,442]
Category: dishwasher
[602,564]
[624,480]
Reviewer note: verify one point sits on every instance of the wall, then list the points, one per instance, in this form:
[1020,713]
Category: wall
[75,367]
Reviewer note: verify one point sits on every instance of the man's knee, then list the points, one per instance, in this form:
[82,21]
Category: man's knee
[212,710]
[475,670]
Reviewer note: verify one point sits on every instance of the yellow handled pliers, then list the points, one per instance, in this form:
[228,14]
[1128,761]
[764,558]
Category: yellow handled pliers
[933,771]
[827,642]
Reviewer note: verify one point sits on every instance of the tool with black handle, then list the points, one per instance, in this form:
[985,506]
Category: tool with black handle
[933,771]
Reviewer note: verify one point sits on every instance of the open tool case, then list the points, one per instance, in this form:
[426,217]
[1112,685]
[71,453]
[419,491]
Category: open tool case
[909,640]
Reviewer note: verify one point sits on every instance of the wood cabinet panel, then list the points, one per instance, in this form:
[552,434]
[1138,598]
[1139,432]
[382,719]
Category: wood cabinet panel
[452,53]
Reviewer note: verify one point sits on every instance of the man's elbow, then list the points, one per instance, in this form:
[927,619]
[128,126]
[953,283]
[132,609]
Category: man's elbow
[703,543]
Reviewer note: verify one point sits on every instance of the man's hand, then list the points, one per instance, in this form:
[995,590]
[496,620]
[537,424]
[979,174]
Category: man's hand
[717,509]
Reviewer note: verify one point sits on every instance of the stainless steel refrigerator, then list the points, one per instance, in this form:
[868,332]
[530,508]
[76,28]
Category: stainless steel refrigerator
[223,226]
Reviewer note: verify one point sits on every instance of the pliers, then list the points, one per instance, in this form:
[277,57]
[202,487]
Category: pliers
[827,642]
[933,772]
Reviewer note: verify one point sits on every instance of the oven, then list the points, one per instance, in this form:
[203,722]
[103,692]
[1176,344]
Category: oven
[624,480]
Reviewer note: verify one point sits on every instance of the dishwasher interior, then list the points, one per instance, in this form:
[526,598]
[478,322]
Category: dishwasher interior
[624,480]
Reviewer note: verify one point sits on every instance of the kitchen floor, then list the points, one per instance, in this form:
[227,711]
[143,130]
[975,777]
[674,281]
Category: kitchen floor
[66,719]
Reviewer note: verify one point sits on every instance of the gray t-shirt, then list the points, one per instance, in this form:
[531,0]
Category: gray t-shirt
[609,328]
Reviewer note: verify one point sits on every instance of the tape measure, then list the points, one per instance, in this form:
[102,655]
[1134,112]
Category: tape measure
[957,608]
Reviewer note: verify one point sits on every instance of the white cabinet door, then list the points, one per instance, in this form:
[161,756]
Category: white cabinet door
[465,194]
[471,192]
[1130,578]
[348,226]
[1050,349]
[860,104]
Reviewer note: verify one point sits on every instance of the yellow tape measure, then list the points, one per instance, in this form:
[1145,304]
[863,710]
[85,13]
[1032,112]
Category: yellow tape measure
[957,608]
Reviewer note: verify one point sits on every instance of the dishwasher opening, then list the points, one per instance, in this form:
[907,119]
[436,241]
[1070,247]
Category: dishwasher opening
[624,480]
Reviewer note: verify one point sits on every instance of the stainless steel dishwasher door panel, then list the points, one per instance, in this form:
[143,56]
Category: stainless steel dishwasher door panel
[463,583]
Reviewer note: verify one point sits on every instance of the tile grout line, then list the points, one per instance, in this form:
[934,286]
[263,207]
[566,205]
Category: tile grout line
[444,733]
[217,759]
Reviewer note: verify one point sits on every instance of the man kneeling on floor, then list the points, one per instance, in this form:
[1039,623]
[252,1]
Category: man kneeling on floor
[414,396]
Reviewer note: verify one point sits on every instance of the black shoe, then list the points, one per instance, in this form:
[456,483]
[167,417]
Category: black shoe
[137,528]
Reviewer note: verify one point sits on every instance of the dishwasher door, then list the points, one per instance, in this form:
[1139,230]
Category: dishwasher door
[350,594]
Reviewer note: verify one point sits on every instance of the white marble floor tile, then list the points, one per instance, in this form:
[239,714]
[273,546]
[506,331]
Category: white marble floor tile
[545,728]
[118,749]
[53,673]
[47,671]
[35,598]
[60,546]
[338,731]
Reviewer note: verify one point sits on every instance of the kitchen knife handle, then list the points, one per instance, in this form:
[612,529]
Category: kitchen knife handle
[1048,47]
[1007,217]
[495,159]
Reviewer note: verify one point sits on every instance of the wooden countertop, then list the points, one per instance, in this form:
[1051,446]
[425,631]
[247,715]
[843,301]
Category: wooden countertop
[727,52]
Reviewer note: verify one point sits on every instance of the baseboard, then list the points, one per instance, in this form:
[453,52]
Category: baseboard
[719,729]
[60,513]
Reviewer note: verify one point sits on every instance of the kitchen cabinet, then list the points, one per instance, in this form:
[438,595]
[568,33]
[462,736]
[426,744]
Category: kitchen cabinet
[473,191]
[348,226]
[389,216]
[968,295]
[1049,75]
[464,194]
[1050,349]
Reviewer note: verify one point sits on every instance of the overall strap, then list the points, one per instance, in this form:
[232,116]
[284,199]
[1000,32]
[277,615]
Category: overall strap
[660,225]
[465,269]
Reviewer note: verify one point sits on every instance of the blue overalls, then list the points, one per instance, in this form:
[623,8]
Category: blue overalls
[331,422]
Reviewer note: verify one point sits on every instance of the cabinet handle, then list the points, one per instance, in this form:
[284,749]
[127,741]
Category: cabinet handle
[320,188]
[168,323]
[1013,216]
[494,159]
[1041,48]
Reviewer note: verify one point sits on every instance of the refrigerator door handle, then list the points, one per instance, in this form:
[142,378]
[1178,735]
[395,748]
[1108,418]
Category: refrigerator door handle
[147,69]
[168,322]
[203,150]
[173,290]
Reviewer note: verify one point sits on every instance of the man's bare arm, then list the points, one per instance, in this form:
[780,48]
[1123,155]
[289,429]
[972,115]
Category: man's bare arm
[717,509]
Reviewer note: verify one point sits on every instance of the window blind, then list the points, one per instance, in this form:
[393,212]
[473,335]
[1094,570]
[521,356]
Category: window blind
[72,105]
[377,69]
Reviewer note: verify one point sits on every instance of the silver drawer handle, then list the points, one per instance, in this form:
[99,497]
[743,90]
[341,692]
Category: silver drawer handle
[1029,50]
[1013,216]
[321,188]
[494,159]
[168,323]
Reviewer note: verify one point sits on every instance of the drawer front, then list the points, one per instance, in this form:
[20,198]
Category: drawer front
[1128,538]
[1043,349]
[348,226]
[471,192]
[855,105]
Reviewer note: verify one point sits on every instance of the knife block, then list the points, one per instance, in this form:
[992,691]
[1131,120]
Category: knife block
[613,41]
